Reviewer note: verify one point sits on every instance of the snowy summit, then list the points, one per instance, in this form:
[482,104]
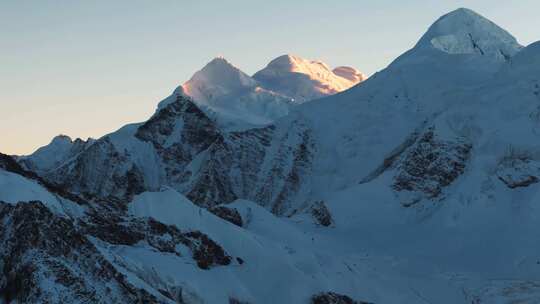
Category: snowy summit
[216,79]
[304,79]
[463,31]
[237,101]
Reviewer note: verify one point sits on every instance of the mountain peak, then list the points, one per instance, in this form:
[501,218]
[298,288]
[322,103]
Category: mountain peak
[217,78]
[218,67]
[293,63]
[61,139]
[304,79]
[464,31]
[220,60]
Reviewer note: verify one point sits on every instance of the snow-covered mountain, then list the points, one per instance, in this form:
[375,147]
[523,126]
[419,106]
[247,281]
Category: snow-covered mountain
[232,98]
[418,186]
[237,101]
[305,80]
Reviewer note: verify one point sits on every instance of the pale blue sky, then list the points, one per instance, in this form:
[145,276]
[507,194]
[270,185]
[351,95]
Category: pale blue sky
[85,68]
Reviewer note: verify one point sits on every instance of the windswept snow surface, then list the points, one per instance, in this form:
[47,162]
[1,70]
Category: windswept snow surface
[283,261]
[15,188]
[463,31]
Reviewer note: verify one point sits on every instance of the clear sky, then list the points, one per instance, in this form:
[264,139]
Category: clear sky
[85,68]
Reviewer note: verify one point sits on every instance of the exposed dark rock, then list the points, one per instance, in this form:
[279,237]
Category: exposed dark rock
[111,230]
[232,168]
[517,171]
[117,230]
[321,214]
[430,165]
[45,259]
[9,164]
[522,182]
[197,132]
[228,165]
[179,132]
[236,301]
[135,182]
[212,185]
[239,166]
[334,298]
[297,173]
[228,213]
[205,251]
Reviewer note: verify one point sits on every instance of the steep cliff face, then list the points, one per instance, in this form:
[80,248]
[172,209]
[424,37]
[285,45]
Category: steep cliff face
[140,157]
[182,148]
[178,133]
[268,165]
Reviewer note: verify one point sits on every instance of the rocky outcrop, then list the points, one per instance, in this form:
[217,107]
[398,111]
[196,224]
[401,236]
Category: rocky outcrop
[284,177]
[45,259]
[268,166]
[334,298]
[9,164]
[212,185]
[321,214]
[518,170]
[229,214]
[48,258]
[179,132]
[118,230]
[236,301]
[206,252]
[429,166]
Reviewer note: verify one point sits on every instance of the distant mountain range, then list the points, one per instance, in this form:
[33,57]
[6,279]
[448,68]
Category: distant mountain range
[238,101]
[301,184]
